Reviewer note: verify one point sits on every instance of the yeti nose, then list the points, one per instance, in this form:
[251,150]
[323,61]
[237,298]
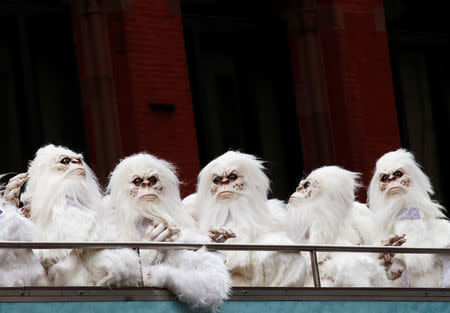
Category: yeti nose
[392,178]
[299,189]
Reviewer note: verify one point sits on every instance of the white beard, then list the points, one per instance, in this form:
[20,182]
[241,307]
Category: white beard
[49,189]
[388,209]
[247,217]
[129,215]
[318,222]
[64,209]
[252,221]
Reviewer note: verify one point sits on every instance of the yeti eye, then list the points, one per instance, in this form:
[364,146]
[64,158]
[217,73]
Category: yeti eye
[65,161]
[152,179]
[384,178]
[137,181]
[306,185]
[398,174]
[217,179]
[232,176]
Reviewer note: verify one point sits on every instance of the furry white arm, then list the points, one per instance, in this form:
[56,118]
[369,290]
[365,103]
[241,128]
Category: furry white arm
[278,269]
[114,267]
[18,267]
[198,278]
[419,233]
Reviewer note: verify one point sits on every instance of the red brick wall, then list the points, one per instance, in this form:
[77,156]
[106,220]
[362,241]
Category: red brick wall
[357,116]
[149,66]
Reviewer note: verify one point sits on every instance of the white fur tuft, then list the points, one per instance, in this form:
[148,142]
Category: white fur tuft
[19,267]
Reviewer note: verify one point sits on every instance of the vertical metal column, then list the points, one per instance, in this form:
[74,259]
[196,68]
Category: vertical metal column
[315,268]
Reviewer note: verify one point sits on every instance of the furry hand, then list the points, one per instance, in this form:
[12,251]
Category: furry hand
[391,240]
[221,234]
[25,211]
[12,189]
[48,262]
[161,232]
[392,275]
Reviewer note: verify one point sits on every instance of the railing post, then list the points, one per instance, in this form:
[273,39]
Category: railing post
[315,268]
[140,266]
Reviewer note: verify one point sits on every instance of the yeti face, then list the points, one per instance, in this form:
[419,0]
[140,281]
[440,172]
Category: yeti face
[308,189]
[70,164]
[227,184]
[145,187]
[394,182]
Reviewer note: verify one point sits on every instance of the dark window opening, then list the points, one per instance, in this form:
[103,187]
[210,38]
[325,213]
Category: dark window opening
[419,44]
[241,82]
[39,85]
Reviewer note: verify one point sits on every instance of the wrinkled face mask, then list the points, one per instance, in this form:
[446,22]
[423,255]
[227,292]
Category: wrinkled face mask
[394,182]
[227,184]
[73,165]
[145,187]
[307,189]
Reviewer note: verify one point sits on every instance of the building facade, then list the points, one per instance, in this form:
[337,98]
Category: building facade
[300,83]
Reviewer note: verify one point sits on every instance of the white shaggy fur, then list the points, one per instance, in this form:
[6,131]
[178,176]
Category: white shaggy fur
[277,208]
[65,200]
[18,267]
[323,211]
[198,277]
[403,206]
[189,205]
[239,203]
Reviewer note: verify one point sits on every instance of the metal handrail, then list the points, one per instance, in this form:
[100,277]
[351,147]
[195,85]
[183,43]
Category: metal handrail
[312,249]
[215,246]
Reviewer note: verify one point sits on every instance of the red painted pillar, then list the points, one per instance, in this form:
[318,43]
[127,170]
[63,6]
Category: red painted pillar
[352,67]
[149,66]
[97,87]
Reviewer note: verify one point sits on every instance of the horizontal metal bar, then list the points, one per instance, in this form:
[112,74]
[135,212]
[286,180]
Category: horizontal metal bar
[83,294]
[216,246]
